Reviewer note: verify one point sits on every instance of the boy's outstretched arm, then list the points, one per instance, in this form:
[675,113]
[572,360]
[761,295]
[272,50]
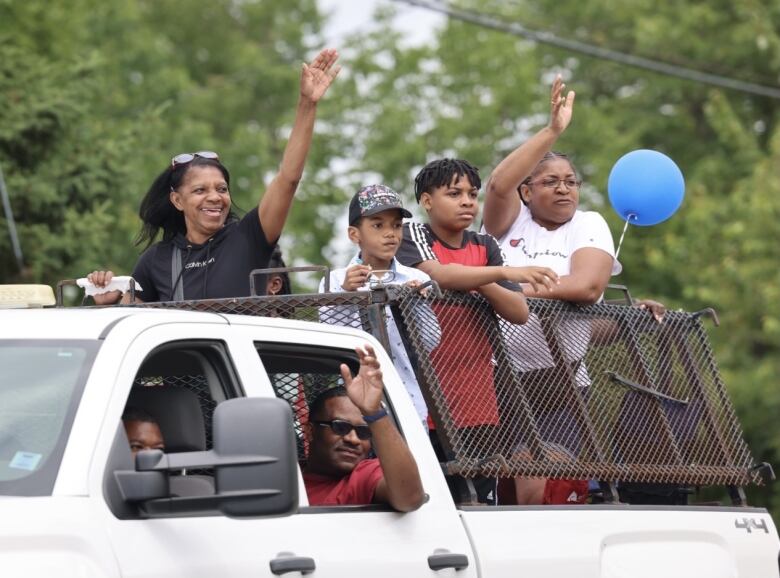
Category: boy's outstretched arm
[511,305]
[471,278]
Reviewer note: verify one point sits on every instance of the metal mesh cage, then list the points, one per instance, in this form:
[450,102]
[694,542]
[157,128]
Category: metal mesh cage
[600,392]
[349,309]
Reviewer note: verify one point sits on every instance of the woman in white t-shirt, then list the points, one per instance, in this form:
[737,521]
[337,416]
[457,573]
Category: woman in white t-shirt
[531,207]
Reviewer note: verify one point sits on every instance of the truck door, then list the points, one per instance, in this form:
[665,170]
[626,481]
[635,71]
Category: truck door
[219,362]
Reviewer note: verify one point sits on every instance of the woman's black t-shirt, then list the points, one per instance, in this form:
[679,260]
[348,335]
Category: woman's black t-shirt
[219,268]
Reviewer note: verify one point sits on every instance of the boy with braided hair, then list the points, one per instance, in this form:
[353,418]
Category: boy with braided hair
[460,259]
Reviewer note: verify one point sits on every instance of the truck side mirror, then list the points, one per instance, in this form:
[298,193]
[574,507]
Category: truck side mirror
[254,459]
[262,427]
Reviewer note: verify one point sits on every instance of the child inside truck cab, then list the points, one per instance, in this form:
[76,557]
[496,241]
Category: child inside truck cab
[143,431]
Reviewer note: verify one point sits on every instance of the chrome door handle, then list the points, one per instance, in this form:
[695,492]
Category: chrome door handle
[444,559]
[283,564]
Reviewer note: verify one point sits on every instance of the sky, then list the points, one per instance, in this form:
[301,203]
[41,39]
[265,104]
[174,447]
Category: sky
[352,15]
[344,18]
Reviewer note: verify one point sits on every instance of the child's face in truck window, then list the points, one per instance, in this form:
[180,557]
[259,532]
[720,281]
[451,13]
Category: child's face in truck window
[378,236]
[144,435]
[452,207]
[331,454]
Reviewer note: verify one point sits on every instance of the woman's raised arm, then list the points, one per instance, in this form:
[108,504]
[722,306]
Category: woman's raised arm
[275,203]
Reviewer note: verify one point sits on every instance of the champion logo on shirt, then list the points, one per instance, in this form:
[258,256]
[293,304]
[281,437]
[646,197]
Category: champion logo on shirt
[520,242]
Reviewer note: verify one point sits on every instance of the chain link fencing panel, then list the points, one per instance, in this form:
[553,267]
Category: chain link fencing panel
[600,392]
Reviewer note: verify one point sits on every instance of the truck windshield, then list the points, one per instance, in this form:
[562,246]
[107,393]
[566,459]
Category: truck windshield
[40,387]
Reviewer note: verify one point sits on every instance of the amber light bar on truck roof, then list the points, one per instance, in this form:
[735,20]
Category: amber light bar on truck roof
[26,296]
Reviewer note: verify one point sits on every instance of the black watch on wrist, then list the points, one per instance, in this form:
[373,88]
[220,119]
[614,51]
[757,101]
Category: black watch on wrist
[369,419]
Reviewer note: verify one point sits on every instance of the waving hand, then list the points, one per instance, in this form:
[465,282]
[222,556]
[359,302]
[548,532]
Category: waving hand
[561,107]
[317,76]
[366,389]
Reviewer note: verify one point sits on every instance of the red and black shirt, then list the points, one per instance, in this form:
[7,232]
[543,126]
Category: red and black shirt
[463,361]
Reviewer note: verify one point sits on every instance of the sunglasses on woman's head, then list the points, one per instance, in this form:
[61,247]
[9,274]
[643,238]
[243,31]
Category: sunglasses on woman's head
[341,428]
[184,158]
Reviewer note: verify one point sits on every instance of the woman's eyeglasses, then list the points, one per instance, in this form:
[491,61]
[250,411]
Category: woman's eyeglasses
[184,158]
[342,428]
[555,183]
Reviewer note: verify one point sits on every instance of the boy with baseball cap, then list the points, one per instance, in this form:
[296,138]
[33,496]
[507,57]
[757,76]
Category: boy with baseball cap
[376,216]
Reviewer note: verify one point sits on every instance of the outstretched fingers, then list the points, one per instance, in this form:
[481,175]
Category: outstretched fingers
[568,100]
[326,60]
[346,375]
[317,76]
[556,90]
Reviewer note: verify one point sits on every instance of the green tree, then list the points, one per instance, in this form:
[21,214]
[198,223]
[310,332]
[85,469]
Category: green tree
[477,94]
[97,96]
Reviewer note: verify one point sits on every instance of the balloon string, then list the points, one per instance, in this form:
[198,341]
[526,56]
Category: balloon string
[623,235]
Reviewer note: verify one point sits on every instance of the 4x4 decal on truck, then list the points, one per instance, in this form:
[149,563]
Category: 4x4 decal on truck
[750,524]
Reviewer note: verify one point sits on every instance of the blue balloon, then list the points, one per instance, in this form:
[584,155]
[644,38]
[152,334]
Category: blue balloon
[645,187]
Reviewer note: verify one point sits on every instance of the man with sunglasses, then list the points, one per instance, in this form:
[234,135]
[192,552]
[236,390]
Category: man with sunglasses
[344,424]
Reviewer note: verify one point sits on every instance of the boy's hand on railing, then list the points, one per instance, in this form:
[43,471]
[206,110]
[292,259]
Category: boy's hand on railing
[536,277]
[414,284]
[356,277]
[657,309]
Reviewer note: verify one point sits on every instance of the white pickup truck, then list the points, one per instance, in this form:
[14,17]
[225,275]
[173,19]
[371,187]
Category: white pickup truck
[73,504]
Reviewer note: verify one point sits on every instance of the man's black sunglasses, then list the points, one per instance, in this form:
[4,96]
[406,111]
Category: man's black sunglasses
[342,428]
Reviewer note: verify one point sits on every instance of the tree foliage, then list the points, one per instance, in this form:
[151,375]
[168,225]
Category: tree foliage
[478,93]
[95,97]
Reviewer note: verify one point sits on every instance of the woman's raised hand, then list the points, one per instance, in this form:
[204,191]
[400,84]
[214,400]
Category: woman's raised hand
[561,107]
[317,76]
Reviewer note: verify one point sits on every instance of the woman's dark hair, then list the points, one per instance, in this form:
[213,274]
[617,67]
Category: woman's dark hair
[548,156]
[277,261]
[157,212]
[440,173]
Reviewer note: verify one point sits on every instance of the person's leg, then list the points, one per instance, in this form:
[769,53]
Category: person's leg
[529,491]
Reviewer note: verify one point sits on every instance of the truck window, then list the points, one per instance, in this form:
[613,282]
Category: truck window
[301,373]
[40,388]
[199,369]
[176,389]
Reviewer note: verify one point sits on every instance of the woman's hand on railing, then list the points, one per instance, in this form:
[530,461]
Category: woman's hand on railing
[656,308]
[101,279]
